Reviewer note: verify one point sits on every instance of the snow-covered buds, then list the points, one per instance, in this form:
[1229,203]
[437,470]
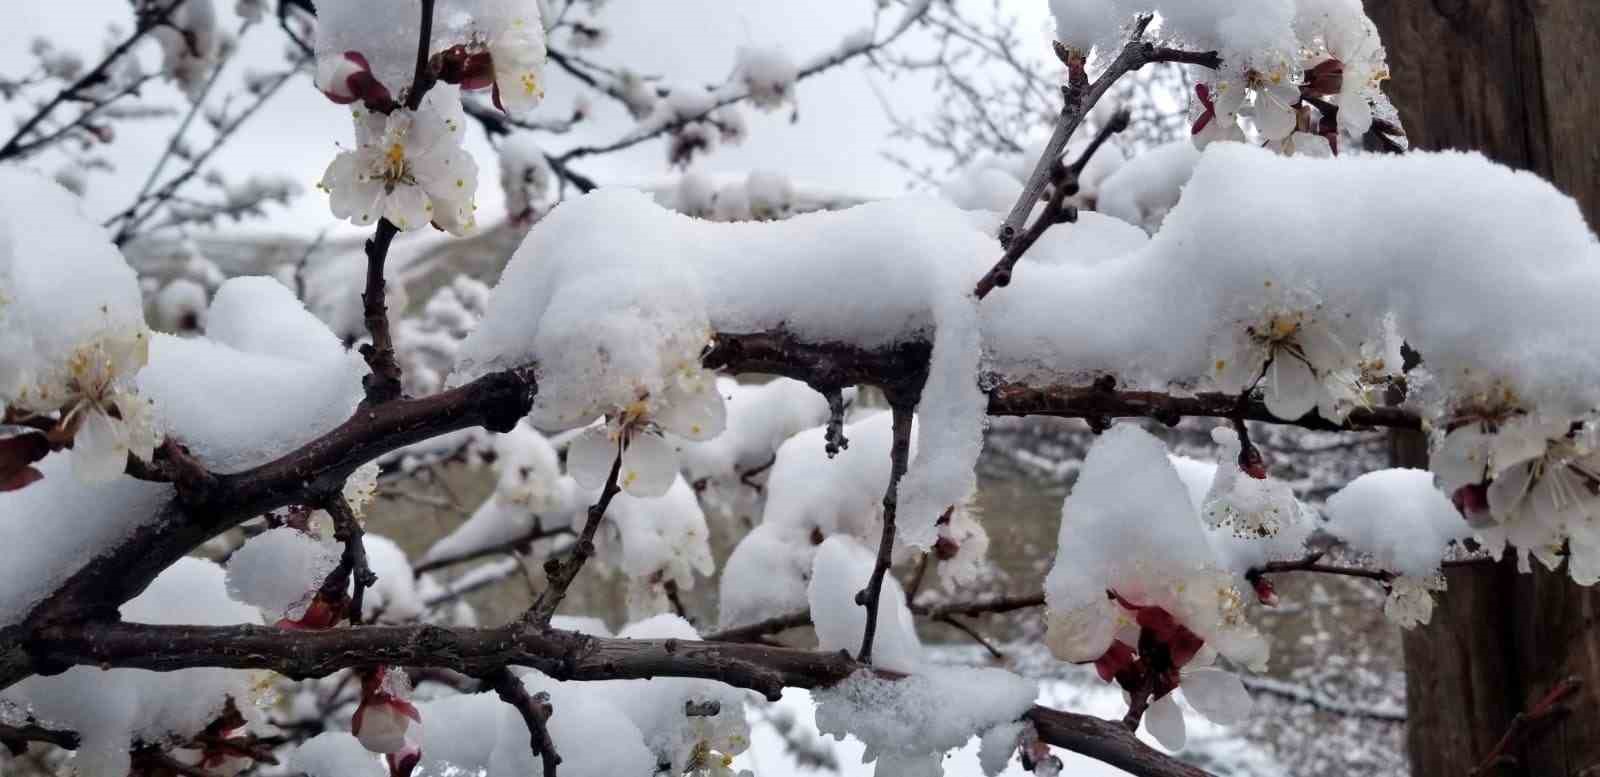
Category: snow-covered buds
[383,720]
[348,78]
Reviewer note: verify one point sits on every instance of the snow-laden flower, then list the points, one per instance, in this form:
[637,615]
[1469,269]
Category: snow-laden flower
[407,167]
[111,420]
[1185,612]
[518,53]
[768,74]
[1248,503]
[1299,362]
[1276,95]
[384,719]
[1361,53]
[1219,110]
[1525,480]
[713,753]
[1410,600]
[689,407]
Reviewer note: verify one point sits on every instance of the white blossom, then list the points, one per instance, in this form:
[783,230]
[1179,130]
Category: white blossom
[690,407]
[518,53]
[408,167]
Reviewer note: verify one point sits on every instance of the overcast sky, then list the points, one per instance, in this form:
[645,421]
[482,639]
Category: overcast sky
[835,143]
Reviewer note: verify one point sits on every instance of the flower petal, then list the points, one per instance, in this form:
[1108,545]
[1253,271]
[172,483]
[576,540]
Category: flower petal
[694,413]
[99,451]
[1164,721]
[590,456]
[1216,694]
[1081,634]
[1290,387]
[649,465]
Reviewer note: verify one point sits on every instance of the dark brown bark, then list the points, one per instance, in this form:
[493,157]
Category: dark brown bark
[1515,80]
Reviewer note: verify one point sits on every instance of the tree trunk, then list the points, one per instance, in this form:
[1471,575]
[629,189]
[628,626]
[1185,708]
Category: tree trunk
[1516,80]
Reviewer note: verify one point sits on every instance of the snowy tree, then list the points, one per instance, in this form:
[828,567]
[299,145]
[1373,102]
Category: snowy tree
[1224,223]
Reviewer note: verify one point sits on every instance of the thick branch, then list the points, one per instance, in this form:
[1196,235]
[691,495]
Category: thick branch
[563,655]
[899,456]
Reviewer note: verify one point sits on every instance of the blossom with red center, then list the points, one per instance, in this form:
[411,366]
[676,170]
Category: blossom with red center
[383,719]
[348,78]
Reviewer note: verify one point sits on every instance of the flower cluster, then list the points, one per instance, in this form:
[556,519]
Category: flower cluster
[1303,356]
[1330,92]
[1526,480]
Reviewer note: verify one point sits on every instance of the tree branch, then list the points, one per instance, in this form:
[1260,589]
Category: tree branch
[519,545]
[535,712]
[561,572]
[1081,96]
[899,455]
[563,655]
[347,529]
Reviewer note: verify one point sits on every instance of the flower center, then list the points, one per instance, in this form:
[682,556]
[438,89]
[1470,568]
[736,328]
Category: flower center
[394,168]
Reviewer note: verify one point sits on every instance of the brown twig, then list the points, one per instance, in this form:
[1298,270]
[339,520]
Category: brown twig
[535,712]
[347,529]
[1064,183]
[1081,96]
[561,572]
[1548,709]
[899,455]
[955,623]
[518,546]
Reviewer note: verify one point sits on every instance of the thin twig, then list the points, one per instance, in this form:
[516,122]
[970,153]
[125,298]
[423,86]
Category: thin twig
[1081,96]
[953,622]
[561,572]
[535,712]
[1550,708]
[347,529]
[517,546]
[899,454]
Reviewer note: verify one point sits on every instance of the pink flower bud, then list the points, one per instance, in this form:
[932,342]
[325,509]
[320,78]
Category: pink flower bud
[348,78]
[403,762]
[383,719]
[1265,593]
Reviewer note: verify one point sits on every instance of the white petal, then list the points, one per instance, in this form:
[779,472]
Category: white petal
[99,451]
[648,466]
[383,729]
[697,413]
[1164,721]
[1509,491]
[407,206]
[1274,119]
[1461,458]
[1355,113]
[1081,634]
[590,456]
[1217,694]
[1291,388]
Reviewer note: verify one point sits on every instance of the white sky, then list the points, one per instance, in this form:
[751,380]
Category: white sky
[835,143]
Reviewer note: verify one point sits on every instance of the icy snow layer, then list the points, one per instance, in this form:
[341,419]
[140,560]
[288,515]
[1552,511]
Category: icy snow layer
[1489,273]
[61,524]
[760,418]
[1399,517]
[842,569]
[279,571]
[909,724]
[810,497]
[114,709]
[656,706]
[1260,32]
[267,378]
